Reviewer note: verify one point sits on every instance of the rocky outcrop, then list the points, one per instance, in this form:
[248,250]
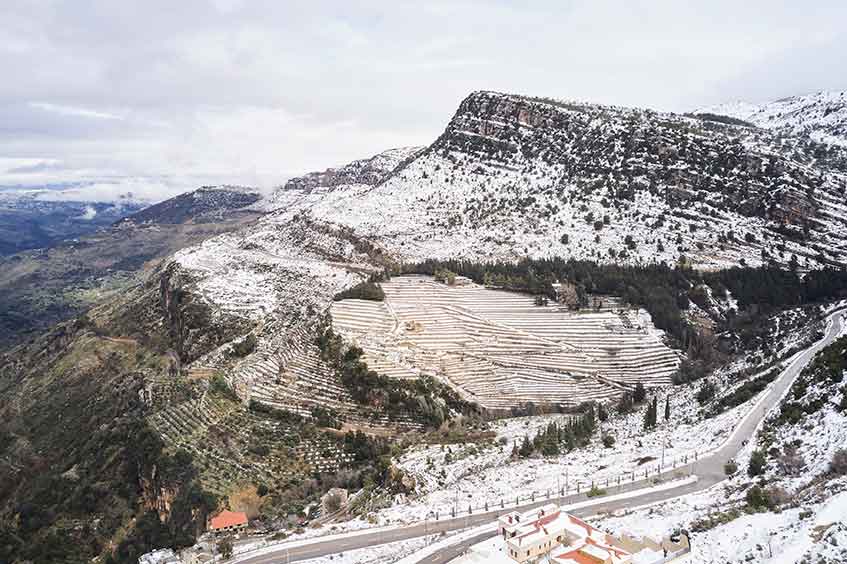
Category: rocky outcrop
[193,327]
[622,151]
[368,172]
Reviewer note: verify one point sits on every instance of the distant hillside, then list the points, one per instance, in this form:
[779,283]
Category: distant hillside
[208,203]
[821,116]
[30,223]
[43,286]
[351,178]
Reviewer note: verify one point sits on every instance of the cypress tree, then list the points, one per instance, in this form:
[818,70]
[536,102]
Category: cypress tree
[640,393]
[651,414]
[655,414]
[667,408]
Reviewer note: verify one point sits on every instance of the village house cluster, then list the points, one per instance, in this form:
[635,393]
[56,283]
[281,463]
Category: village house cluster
[548,534]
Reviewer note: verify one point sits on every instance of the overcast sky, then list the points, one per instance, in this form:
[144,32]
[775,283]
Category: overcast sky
[156,97]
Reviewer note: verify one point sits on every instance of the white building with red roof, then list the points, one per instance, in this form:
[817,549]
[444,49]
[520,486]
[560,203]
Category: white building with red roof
[549,535]
[590,551]
[548,529]
[228,522]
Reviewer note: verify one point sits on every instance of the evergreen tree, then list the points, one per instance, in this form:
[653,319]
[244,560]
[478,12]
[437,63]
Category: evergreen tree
[626,403]
[224,547]
[602,414]
[655,410]
[640,393]
[667,408]
[650,414]
[757,463]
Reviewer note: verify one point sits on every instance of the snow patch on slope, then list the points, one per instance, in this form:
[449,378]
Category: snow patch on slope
[821,116]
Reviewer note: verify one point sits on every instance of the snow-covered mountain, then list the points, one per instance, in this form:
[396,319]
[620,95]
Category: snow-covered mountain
[207,203]
[225,345]
[513,176]
[356,176]
[822,116]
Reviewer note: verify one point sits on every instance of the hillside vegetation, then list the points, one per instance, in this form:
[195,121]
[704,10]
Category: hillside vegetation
[219,372]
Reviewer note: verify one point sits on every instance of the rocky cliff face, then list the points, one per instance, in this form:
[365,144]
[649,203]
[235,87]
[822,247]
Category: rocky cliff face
[513,176]
[360,174]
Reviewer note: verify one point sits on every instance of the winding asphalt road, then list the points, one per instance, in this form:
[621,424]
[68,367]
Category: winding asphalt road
[709,470]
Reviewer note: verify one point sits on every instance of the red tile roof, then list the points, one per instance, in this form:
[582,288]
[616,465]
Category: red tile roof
[226,519]
[539,524]
[577,556]
[576,521]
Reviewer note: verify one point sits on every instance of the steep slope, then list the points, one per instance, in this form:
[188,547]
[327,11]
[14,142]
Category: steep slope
[821,116]
[352,178]
[75,403]
[514,176]
[41,287]
[787,503]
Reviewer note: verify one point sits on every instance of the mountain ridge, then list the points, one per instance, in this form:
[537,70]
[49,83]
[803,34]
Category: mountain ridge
[227,345]
[821,115]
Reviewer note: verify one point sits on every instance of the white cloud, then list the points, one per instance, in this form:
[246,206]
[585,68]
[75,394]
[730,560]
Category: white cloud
[250,93]
[71,111]
[88,213]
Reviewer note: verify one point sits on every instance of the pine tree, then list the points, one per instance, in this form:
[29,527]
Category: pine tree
[757,463]
[526,448]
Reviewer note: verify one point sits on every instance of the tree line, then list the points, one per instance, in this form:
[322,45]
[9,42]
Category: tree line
[556,438]
[423,398]
[665,292]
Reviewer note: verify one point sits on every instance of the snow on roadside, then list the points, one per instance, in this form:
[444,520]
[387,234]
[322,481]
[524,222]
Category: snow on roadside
[381,554]
[481,473]
[810,526]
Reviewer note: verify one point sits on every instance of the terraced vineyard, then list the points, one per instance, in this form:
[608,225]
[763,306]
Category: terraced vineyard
[499,349]
[231,444]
